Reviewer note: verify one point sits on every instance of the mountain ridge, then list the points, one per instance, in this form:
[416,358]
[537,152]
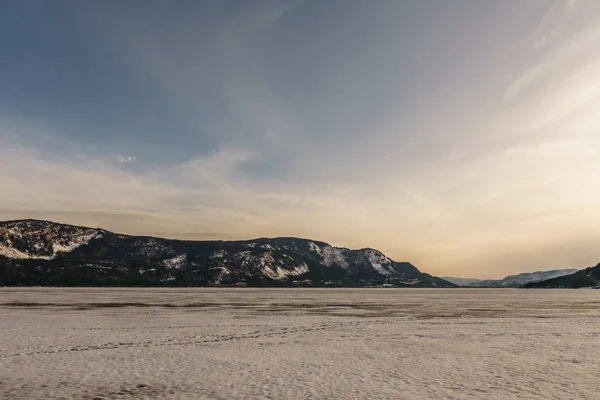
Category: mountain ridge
[461,281]
[585,278]
[512,281]
[39,252]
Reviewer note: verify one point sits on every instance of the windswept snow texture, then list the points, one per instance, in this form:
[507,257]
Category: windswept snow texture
[299,344]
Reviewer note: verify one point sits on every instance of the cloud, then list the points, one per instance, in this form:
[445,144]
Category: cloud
[206,194]
[554,23]
[124,159]
[573,55]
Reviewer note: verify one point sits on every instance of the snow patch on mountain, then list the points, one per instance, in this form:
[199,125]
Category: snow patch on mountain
[330,255]
[14,253]
[334,256]
[278,273]
[218,254]
[74,244]
[411,282]
[266,259]
[57,246]
[243,255]
[380,263]
[313,247]
[175,262]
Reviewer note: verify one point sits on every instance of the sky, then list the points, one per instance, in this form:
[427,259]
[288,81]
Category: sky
[462,136]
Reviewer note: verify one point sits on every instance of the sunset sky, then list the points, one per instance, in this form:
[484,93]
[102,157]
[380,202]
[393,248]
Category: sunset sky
[462,136]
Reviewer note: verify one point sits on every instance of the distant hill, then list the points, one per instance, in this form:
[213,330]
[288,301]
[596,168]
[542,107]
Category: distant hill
[34,252]
[586,278]
[461,281]
[512,281]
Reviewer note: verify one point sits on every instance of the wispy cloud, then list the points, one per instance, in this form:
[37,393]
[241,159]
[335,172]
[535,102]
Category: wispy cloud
[124,159]
[552,24]
[206,194]
[572,56]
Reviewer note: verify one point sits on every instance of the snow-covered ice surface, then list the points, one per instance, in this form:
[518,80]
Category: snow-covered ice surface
[299,344]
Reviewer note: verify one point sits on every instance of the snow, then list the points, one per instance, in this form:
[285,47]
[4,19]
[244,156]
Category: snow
[175,262]
[334,256]
[313,247]
[268,268]
[276,272]
[378,261]
[411,281]
[266,259]
[12,252]
[331,255]
[246,255]
[76,242]
[219,254]
[462,344]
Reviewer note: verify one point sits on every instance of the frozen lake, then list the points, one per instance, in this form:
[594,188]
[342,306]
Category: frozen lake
[299,343]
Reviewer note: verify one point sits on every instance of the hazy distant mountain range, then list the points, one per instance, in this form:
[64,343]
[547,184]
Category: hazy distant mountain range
[34,252]
[512,281]
[461,281]
[586,278]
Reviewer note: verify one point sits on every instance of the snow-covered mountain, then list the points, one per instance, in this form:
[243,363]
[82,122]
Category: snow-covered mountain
[36,252]
[31,239]
[512,281]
